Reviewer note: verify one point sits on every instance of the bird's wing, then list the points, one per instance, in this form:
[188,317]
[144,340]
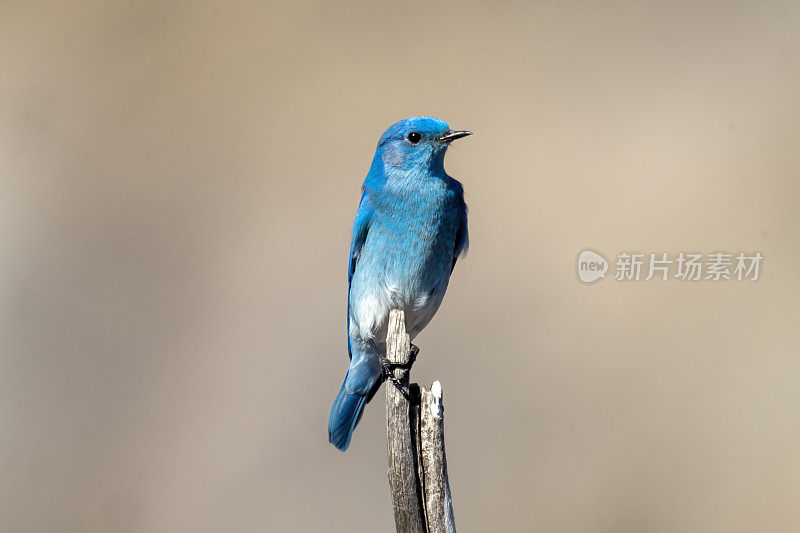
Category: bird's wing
[360,230]
[462,238]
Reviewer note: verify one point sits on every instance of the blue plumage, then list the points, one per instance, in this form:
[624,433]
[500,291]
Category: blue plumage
[410,228]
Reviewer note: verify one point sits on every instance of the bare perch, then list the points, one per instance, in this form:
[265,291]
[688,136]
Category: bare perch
[415,431]
[401,418]
[438,502]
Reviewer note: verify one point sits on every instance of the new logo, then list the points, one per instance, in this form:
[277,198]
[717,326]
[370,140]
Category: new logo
[591,266]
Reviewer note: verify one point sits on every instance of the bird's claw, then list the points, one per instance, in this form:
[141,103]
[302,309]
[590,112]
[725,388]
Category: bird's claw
[413,352]
[388,371]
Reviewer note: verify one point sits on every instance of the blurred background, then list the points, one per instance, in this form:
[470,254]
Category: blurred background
[177,186]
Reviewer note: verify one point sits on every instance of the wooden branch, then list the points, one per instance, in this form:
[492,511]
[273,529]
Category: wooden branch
[438,501]
[415,431]
[401,419]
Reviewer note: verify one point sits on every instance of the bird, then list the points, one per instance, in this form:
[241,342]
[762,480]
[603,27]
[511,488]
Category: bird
[410,229]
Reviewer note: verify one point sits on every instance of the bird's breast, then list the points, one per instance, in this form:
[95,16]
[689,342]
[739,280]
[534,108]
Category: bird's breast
[405,264]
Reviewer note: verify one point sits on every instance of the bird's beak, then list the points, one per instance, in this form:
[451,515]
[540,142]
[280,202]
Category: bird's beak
[448,136]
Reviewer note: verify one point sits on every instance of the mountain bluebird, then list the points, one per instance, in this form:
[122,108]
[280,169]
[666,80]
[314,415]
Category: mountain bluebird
[410,228]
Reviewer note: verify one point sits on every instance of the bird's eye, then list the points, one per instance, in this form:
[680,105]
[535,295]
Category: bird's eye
[414,137]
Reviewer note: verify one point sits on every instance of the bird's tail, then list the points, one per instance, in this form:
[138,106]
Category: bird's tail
[346,410]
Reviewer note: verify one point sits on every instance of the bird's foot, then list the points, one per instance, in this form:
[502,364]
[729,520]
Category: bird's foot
[388,369]
[412,356]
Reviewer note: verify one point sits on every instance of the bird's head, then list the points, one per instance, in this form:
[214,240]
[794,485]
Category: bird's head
[416,144]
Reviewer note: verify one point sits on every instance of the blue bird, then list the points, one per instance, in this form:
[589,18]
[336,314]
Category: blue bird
[410,228]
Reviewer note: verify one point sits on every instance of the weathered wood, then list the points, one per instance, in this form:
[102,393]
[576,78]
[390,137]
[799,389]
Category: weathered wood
[402,429]
[415,430]
[438,502]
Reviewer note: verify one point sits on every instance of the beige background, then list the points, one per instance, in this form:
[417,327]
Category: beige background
[178,181]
